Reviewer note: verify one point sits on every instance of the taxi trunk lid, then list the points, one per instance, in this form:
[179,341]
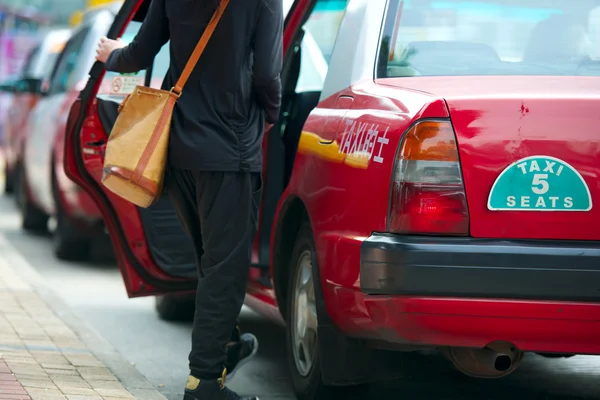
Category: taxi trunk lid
[530,153]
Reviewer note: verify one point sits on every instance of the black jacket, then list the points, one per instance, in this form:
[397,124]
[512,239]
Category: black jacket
[218,120]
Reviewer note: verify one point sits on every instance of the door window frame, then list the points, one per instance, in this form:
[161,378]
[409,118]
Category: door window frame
[273,172]
[74,45]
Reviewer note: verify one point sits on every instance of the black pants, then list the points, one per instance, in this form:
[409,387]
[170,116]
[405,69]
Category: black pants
[219,210]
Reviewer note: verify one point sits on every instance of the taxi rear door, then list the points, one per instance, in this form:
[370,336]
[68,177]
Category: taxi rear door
[143,253]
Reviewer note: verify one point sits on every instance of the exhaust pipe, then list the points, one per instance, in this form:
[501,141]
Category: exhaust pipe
[502,362]
[486,362]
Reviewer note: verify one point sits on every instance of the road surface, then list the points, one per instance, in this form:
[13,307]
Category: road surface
[96,294]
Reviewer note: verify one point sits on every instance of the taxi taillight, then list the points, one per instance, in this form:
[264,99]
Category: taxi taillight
[428,194]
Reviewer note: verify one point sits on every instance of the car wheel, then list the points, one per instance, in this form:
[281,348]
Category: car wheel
[302,343]
[172,307]
[33,219]
[9,179]
[70,244]
[16,177]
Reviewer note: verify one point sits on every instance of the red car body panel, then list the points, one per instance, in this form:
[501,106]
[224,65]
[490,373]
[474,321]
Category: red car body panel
[37,67]
[75,202]
[516,117]
[346,195]
[566,327]
[14,129]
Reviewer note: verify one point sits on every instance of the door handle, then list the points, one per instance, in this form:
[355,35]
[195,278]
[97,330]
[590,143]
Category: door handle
[90,148]
[98,143]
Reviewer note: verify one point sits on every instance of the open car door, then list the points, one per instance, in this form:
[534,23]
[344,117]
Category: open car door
[153,252]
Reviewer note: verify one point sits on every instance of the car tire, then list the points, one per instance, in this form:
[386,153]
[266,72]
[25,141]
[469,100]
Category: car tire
[16,178]
[33,219]
[306,376]
[69,242]
[9,180]
[175,308]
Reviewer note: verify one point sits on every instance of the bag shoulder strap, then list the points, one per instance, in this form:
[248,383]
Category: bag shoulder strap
[193,60]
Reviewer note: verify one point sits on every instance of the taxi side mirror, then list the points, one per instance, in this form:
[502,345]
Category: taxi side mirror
[44,87]
[24,85]
[33,85]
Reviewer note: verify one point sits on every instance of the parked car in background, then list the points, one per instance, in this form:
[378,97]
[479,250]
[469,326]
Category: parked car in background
[7,89]
[27,91]
[44,191]
[6,92]
[19,33]
[435,190]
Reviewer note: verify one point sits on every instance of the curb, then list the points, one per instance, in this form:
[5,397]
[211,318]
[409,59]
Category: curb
[127,374]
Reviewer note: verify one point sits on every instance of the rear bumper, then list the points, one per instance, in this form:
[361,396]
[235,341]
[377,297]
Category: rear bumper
[480,268]
[535,326]
[461,292]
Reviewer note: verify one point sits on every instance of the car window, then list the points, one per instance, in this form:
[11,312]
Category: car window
[49,57]
[116,86]
[31,61]
[320,33]
[50,60]
[490,37]
[63,76]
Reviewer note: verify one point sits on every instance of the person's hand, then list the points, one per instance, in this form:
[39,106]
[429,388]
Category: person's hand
[268,126]
[106,47]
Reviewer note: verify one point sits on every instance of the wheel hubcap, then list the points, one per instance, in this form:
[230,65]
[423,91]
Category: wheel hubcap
[304,320]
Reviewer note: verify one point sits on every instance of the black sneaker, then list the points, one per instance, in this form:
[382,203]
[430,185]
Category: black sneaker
[197,389]
[240,352]
[231,395]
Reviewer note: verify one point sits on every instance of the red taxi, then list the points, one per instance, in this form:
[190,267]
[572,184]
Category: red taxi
[28,90]
[435,190]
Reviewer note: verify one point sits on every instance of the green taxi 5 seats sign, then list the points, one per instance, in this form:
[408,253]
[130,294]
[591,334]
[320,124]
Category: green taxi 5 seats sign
[540,183]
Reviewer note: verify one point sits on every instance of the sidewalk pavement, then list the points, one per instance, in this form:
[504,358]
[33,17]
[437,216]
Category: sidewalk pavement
[42,358]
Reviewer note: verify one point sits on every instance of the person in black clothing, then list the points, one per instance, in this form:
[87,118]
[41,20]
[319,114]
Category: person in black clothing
[215,157]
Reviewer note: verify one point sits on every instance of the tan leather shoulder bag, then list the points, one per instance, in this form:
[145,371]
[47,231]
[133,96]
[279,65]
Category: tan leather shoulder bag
[137,148]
